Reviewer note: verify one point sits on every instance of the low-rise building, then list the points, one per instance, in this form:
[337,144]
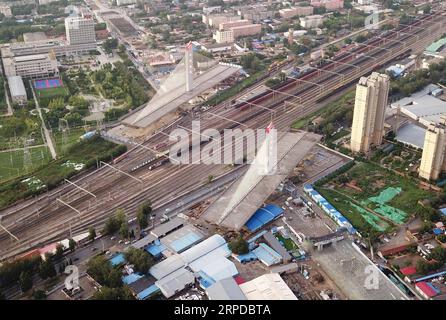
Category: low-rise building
[17,90]
[125,2]
[246,30]
[5,10]
[230,24]
[312,21]
[288,13]
[267,287]
[328,4]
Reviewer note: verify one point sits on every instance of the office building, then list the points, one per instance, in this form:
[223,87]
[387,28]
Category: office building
[31,66]
[80,30]
[368,116]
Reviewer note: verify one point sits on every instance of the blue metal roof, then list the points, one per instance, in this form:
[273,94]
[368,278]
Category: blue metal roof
[267,255]
[156,248]
[131,278]
[263,216]
[117,260]
[148,292]
[435,275]
[185,241]
[443,211]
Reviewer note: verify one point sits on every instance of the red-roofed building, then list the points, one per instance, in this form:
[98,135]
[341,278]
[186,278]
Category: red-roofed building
[426,289]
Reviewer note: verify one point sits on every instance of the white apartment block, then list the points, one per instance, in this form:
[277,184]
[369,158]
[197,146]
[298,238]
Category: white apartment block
[312,21]
[224,36]
[32,66]
[5,10]
[80,30]
[296,11]
[368,114]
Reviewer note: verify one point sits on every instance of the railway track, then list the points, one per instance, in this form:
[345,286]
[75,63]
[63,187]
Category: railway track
[39,221]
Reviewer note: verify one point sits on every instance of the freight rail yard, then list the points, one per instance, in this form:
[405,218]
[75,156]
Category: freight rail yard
[129,180]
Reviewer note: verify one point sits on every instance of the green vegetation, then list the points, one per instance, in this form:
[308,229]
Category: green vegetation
[436,260]
[370,198]
[417,80]
[140,259]
[84,154]
[238,246]
[3,104]
[117,222]
[50,93]
[10,271]
[287,243]
[121,84]
[110,278]
[143,214]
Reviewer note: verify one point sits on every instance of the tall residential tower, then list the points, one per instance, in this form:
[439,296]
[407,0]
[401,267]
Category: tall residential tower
[368,116]
[433,158]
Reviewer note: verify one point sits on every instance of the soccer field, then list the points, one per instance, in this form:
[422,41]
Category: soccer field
[12,164]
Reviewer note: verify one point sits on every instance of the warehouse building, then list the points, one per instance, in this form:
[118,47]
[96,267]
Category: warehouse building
[267,287]
[226,289]
[17,90]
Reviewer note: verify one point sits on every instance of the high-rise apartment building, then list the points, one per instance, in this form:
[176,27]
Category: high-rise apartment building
[80,30]
[368,116]
[433,158]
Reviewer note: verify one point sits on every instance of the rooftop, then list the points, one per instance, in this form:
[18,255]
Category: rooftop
[267,287]
[226,289]
[16,86]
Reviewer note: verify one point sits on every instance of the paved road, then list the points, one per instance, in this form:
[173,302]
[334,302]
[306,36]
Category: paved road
[46,132]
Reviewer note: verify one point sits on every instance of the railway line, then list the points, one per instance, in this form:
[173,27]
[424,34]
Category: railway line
[39,220]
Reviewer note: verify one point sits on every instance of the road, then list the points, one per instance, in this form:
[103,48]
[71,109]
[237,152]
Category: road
[46,132]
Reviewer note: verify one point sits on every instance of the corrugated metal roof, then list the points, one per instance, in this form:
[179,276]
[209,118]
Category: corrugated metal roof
[267,287]
[203,248]
[16,86]
[175,282]
[167,266]
[167,227]
[275,244]
[142,243]
[267,255]
[226,289]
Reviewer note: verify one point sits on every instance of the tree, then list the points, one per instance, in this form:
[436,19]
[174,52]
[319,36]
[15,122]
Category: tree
[91,233]
[47,269]
[71,245]
[39,295]
[442,238]
[25,281]
[143,214]
[141,260]
[124,230]
[102,271]
[239,246]
[59,252]
[106,293]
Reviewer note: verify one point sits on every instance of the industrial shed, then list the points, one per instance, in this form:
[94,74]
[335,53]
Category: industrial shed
[263,216]
[167,266]
[182,239]
[203,248]
[168,227]
[267,255]
[267,287]
[226,289]
[175,282]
